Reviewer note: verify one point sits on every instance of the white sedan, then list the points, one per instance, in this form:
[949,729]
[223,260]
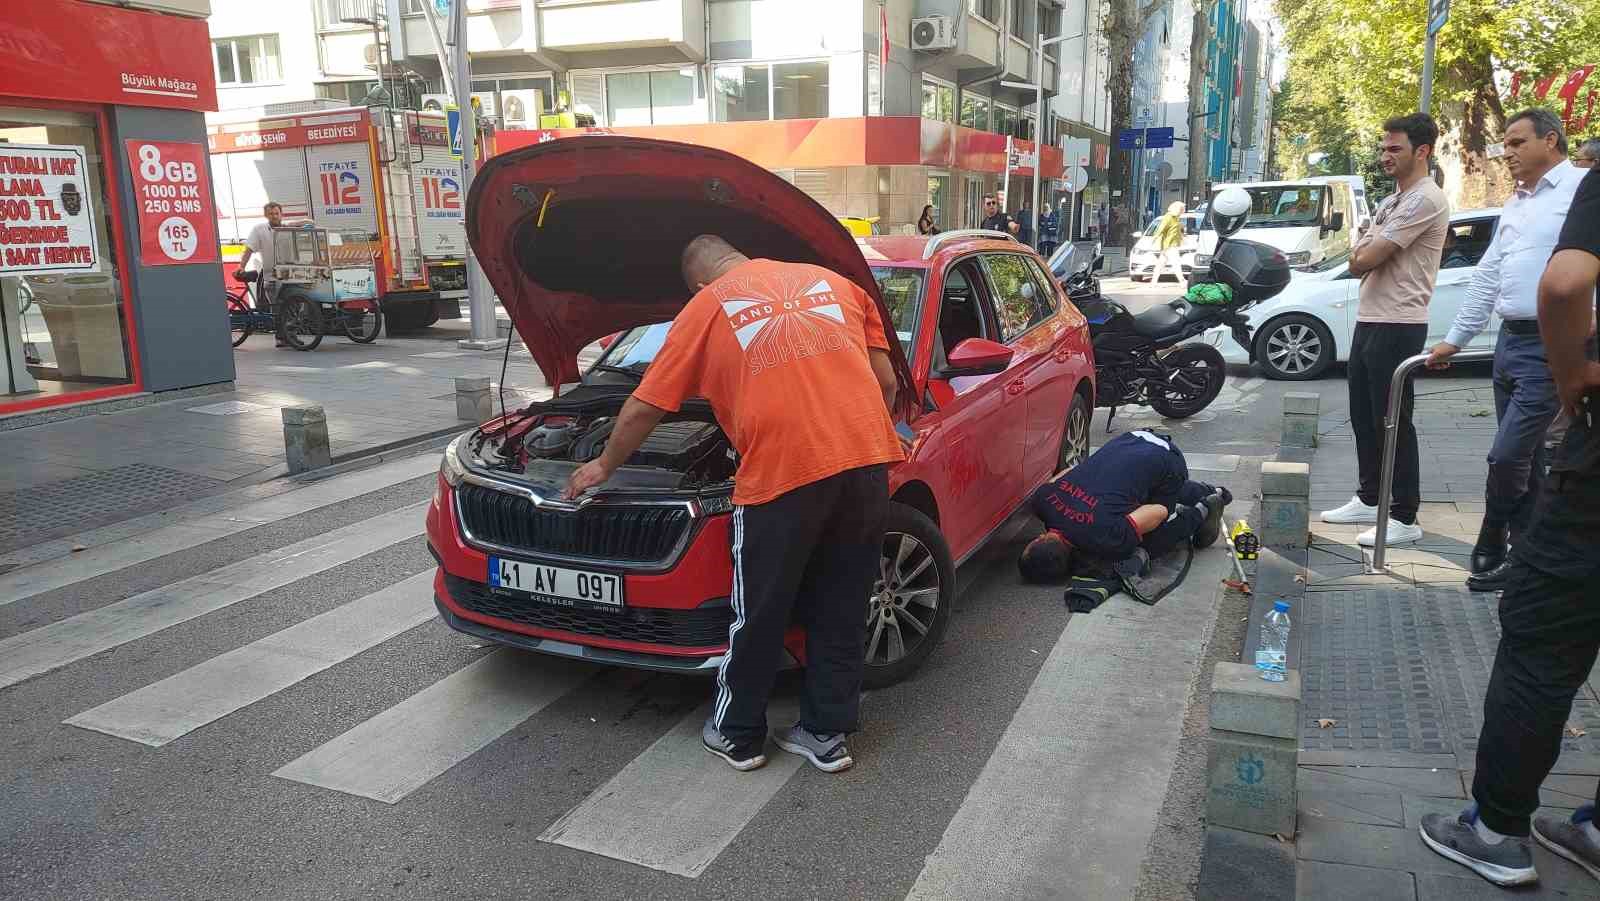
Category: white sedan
[1307,328]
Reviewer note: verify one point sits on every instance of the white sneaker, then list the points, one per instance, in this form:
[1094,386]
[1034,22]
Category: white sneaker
[1353,512]
[1399,533]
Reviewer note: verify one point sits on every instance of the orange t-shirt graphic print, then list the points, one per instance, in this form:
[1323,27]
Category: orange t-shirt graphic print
[775,326]
[780,352]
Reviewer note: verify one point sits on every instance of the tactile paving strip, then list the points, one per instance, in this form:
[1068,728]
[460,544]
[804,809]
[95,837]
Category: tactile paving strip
[1364,666]
[1405,669]
[31,515]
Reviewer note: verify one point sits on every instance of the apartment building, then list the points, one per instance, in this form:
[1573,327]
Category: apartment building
[927,125]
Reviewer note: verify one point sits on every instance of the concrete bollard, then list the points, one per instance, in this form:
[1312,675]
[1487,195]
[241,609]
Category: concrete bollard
[1300,419]
[473,402]
[305,438]
[1253,759]
[1285,504]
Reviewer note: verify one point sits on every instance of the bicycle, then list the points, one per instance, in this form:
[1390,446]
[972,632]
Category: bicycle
[305,320]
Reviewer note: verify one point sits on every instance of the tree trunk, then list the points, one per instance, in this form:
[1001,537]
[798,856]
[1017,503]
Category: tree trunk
[1121,22]
[1199,140]
[1471,179]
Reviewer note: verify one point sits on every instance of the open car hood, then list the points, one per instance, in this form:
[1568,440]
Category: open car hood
[581,237]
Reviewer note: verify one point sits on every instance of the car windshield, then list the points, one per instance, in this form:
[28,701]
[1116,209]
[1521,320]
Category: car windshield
[1283,205]
[902,291]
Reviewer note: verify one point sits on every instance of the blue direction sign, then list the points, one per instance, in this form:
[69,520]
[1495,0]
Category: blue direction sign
[1157,138]
[452,118]
[1438,14]
[1130,139]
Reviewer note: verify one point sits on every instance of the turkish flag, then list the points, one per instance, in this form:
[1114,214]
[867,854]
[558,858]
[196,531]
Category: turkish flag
[1569,91]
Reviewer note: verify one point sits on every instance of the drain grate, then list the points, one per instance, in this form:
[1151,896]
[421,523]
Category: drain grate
[31,515]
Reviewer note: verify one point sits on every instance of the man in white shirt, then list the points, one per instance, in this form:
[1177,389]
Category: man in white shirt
[1507,282]
[259,242]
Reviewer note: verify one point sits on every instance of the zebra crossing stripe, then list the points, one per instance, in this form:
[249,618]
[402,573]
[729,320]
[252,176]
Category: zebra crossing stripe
[675,807]
[202,694]
[28,581]
[406,746]
[72,639]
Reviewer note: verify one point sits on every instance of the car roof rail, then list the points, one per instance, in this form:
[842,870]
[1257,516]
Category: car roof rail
[964,234]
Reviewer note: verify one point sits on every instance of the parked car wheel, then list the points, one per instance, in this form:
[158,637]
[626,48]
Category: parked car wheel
[1294,348]
[1075,435]
[1198,372]
[911,600]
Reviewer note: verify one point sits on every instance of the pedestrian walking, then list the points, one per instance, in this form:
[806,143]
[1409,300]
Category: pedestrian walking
[1588,154]
[1169,238]
[1024,220]
[259,243]
[1397,260]
[794,361]
[925,223]
[996,219]
[1507,283]
[1049,225]
[1549,621]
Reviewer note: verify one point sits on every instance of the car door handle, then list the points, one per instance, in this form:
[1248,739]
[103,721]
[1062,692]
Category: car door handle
[1016,387]
[1063,356]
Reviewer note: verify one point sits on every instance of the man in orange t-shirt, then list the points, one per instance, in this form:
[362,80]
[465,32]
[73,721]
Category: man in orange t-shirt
[794,362]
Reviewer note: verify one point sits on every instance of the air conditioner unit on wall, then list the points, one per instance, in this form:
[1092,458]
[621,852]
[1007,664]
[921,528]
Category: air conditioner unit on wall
[933,33]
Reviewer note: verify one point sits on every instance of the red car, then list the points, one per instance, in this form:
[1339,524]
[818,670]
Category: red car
[581,238]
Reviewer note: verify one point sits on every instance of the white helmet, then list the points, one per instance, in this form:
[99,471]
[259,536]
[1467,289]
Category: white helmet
[1230,209]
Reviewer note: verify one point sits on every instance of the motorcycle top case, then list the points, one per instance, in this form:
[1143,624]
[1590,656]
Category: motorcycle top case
[1253,270]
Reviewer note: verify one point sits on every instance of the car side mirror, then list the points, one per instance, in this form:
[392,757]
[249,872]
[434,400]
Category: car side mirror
[976,356]
[1336,222]
[1099,262]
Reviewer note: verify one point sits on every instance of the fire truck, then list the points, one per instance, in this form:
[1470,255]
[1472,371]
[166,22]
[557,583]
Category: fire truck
[382,181]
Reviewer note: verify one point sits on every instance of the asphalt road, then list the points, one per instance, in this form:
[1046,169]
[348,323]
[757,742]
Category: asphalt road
[277,714]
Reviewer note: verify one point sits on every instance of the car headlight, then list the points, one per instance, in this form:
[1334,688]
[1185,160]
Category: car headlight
[1202,259]
[1299,258]
[450,465]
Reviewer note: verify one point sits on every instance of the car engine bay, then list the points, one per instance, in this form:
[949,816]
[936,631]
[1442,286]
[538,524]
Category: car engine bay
[543,448]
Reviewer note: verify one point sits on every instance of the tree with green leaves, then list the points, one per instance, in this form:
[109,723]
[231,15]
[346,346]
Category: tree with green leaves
[1124,23]
[1355,63]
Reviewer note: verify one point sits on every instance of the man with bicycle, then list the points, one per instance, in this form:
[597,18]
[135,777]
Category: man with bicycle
[259,241]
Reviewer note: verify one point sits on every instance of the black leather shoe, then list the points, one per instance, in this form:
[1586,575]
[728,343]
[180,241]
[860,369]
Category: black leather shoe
[1492,580]
[1490,551]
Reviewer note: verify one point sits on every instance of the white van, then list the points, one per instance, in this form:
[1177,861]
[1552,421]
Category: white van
[1310,221]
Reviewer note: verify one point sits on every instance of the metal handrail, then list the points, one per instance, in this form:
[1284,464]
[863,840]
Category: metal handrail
[1391,438]
[964,234]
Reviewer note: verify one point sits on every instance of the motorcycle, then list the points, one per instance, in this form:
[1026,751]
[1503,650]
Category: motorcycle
[1142,359]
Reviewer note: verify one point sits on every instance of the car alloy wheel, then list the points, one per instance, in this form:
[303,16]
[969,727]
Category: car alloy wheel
[904,602]
[1075,437]
[1296,347]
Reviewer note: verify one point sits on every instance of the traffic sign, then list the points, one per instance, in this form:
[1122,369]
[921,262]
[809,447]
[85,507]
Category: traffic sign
[452,118]
[1438,14]
[1157,138]
[1130,139]
[1077,179]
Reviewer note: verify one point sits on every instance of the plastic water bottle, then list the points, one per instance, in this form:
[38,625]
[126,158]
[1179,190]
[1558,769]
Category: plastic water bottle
[1272,652]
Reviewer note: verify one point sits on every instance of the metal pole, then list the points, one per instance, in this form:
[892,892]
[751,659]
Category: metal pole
[1427,73]
[1391,439]
[1038,137]
[480,300]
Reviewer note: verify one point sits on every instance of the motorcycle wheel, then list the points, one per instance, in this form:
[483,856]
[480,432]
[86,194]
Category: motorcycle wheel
[1195,376]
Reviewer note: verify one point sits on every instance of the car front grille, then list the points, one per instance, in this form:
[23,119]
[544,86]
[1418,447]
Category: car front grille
[624,533]
[702,627]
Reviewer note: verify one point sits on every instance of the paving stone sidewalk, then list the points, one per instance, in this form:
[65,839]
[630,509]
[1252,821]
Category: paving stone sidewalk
[1399,664]
[113,464]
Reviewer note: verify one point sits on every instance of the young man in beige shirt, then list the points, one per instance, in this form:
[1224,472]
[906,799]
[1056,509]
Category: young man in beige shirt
[1397,260]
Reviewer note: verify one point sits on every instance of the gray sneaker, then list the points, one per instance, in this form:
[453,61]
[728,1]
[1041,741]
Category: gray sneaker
[827,751]
[1568,839]
[1508,863]
[741,757]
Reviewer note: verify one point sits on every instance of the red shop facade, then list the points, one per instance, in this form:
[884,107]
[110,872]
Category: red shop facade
[110,272]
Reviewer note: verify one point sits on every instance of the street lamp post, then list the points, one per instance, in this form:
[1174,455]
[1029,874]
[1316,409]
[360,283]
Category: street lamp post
[1037,86]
